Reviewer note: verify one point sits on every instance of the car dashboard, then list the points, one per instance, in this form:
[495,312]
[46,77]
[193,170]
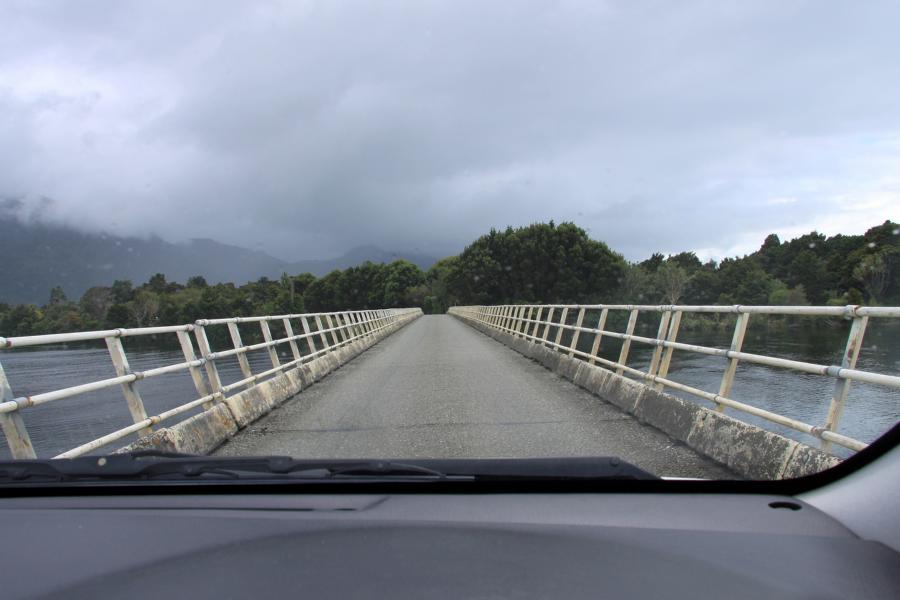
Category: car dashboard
[539,545]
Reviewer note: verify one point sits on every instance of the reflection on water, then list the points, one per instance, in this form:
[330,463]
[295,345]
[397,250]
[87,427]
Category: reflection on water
[870,410]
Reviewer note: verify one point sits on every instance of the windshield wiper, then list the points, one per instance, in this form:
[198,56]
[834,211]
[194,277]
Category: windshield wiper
[161,465]
[154,465]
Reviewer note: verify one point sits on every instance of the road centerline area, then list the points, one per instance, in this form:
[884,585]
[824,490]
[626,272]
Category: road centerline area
[439,389]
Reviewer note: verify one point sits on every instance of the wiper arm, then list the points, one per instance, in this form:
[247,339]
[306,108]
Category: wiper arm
[380,468]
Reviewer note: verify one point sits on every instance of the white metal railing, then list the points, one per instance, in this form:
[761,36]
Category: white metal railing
[534,322]
[328,330]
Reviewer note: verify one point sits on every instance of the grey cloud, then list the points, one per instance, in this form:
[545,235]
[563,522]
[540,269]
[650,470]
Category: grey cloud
[305,129]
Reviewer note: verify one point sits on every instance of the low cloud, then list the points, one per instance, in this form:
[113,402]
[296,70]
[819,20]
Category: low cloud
[306,129]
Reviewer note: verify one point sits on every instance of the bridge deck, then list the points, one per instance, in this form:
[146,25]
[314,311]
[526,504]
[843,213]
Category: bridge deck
[440,389]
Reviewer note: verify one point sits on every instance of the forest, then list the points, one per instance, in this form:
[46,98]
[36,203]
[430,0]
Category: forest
[539,263]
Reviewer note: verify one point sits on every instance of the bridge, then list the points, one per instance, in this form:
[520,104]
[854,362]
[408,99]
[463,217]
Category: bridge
[515,380]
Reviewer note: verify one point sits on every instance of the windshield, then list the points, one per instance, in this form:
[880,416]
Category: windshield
[643,240]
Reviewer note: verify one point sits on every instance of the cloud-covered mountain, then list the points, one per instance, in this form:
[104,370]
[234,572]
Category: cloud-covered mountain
[36,257]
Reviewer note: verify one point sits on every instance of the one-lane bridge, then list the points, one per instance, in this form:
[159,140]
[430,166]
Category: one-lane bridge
[440,389]
[414,386]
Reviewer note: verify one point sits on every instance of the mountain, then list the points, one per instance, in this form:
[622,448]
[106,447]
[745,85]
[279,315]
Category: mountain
[35,257]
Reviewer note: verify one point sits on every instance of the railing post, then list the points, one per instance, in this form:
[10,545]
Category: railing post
[346,326]
[525,322]
[243,361]
[129,389]
[343,326]
[289,332]
[321,329]
[361,327]
[737,342]
[212,372]
[366,320]
[17,437]
[338,333]
[559,330]
[309,338]
[595,347]
[578,321]
[667,355]
[510,318]
[537,322]
[842,386]
[267,338]
[354,325]
[373,315]
[626,343]
[547,328]
[516,319]
[664,319]
[187,348]
[334,333]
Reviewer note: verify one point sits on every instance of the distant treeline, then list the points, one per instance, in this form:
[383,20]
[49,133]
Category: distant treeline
[541,263]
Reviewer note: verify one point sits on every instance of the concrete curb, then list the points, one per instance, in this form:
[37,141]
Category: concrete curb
[204,432]
[748,450]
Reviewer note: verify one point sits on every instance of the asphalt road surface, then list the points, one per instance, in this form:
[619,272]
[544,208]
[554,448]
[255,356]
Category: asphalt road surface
[440,389]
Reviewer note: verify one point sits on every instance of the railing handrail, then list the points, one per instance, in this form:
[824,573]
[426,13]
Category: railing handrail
[342,327]
[7,343]
[512,318]
[847,311]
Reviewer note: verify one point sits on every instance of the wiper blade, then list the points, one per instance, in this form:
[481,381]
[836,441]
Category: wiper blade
[155,465]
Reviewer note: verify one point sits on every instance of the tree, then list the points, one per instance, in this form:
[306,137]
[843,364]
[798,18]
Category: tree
[197,281]
[57,296]
[439,298]
[875,272]
[654,262]
[686,260]
[401,276]
[303,281]
[157,284]
[671,280]
[636,286]
[539,263]
[321,295]
[95,303]
[809,271]
[770,253]
[144,309]
[782,295]
[22,319]
[118,315]
[122,291]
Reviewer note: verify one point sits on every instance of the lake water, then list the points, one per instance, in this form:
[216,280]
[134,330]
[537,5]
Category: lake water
[870,410]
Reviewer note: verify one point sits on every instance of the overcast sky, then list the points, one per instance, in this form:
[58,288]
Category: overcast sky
[306,128]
